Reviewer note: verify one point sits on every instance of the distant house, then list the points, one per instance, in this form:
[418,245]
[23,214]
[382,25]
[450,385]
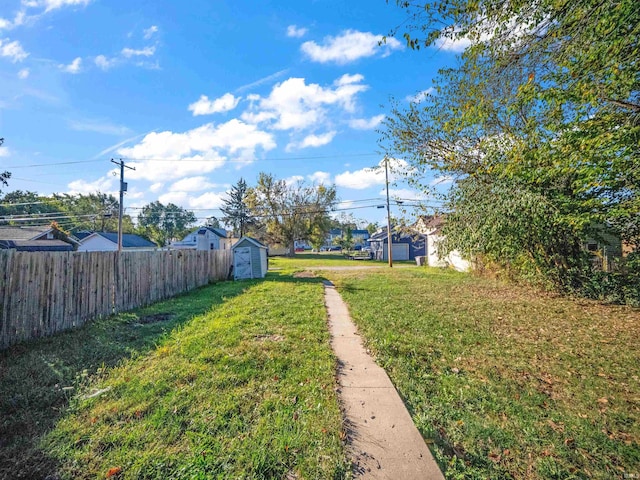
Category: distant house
[204,238]
[108,242]
[605,247]
[36,239]
[406,244]
[431,227]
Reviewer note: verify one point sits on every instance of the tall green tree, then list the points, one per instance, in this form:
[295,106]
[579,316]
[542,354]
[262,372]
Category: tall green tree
[287,213]
[235,209]
[164,223]
[543,106]
[26,205]
[95,212]
[4,176]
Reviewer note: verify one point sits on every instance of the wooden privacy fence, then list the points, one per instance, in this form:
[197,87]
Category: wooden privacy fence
[42,293]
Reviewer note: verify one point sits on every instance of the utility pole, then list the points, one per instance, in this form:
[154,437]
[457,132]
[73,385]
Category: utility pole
[123,188]
[389,236]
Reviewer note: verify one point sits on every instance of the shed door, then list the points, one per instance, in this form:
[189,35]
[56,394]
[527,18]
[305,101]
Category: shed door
[242,263]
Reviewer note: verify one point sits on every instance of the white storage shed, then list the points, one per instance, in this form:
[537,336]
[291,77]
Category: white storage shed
[249,259]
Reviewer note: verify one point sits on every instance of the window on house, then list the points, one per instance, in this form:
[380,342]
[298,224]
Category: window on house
[592,247]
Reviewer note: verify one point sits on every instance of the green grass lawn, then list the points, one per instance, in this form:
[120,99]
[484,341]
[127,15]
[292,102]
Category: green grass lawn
[234,380]
[506,382]
[333,259]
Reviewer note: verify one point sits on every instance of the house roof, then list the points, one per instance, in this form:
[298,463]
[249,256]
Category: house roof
[22,233]
[81,235]
[129,240]
[431,223]
[381,235]
[37,245]
[221,232]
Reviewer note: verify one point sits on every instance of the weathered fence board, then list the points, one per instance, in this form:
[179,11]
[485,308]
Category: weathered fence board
[42,293]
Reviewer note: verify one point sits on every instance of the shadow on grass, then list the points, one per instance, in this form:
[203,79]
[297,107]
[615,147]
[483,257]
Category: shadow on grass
[39,378]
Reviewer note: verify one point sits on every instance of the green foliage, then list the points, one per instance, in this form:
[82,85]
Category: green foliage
[345,241]
[373,228]
[164,223]
[544,106]
[235,209]
[80,212]
[4,176]
[286,213]
[620,286]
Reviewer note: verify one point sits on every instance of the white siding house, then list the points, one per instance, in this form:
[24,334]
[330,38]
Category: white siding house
[108,242]
[431,226]
[204,238]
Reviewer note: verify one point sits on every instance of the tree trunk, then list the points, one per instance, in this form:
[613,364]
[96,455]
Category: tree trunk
[292,249]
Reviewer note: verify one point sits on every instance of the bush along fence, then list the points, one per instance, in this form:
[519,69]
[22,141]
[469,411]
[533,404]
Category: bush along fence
[44,293]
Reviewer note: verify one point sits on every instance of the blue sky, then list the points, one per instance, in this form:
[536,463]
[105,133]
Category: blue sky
[199,93]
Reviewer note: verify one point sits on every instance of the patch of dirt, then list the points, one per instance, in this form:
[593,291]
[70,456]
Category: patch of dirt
[269,338]
[155,318]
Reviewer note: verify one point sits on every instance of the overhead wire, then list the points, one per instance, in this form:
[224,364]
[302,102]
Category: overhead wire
[159,159]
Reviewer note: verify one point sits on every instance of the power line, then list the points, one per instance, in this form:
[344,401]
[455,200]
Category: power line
[132,159]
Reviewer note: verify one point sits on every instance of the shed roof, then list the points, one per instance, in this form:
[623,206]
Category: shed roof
[251,240]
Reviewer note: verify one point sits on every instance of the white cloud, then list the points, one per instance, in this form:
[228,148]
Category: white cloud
[366,124]
[24,73]
[149,32]
[4,152]
[450,45]
[143,52]
[106,184]
[204,106]
[196,151]
[73,67]
[296,32]
[12,50]
[312,141]
[349,46]
[209,200]
[104,63]
[404,194]
[293,104]
[156,187]
[18,20]
[257,83]
[192,184]
[294,179]
[443,180]
[54,4]
[97,126]
[371,176]
[320,177]
[420,96]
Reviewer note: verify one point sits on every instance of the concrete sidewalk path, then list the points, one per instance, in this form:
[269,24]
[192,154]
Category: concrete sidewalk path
[383,442]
